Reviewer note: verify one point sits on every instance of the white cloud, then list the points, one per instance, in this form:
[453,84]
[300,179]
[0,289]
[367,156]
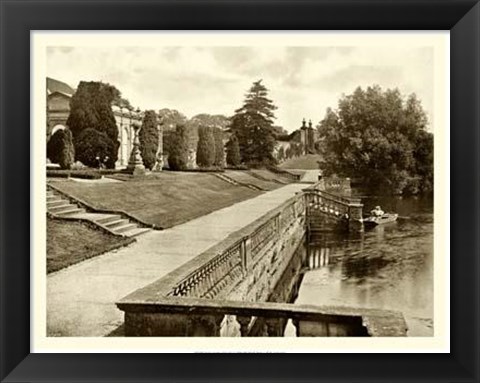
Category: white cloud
[303,81]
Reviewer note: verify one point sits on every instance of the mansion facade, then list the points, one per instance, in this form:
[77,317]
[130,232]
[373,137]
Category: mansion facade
[59,95]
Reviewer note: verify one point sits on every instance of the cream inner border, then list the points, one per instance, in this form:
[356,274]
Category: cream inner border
[439,40]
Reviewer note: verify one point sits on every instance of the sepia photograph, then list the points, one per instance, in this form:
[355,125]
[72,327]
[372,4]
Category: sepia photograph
[240,185]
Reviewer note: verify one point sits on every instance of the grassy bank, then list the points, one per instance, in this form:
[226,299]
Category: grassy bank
[308,162]
[72,242]
[164,199]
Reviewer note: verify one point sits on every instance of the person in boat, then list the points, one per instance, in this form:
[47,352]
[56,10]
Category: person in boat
[377,212]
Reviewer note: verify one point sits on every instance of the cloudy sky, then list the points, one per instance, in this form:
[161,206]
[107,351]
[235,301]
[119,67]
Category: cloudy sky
[303,81]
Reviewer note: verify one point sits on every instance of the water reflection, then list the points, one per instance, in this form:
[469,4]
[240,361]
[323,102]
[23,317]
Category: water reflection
[390,266]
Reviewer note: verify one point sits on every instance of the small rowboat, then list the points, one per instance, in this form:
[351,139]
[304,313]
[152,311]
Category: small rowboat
[386,218]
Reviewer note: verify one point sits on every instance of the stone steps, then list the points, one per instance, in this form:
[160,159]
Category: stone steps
[61,207]
[235,182]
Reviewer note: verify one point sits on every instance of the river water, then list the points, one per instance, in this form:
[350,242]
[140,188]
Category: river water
[388,267]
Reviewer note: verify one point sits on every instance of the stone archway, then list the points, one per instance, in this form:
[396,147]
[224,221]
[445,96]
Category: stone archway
[56,128]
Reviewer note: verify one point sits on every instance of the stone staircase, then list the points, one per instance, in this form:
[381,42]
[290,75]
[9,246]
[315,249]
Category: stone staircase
[235,182]
[61,207]
[262,177]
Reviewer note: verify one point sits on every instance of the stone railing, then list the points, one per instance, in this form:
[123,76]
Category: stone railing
[173,316]
[321,202]
[216,270]
[228,289]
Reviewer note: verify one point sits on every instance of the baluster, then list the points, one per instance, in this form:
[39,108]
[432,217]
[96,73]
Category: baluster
[274,326]
[296,324]
[244,321]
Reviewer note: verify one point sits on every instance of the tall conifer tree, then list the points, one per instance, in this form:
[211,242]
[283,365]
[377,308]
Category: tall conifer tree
[252,124]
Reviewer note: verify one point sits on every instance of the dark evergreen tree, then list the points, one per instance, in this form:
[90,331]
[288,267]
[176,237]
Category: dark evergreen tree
[281,154]
[233,151]
[148,137]
[67,157]
[205,147]
[219,148]
[94,148]
[253,126]
[91,108]
[60,149]
[54,146]
[178,155]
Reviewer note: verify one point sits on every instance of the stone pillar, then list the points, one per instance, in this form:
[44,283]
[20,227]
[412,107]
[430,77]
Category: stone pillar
[135,163]
[355,217]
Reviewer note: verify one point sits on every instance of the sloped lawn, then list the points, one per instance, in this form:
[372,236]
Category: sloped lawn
[164,199]
[71,242]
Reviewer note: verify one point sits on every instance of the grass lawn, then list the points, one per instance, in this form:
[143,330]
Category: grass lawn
[308,162]
[165,199]
[72,242]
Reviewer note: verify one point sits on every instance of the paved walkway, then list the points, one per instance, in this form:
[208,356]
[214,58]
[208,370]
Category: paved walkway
[81,299]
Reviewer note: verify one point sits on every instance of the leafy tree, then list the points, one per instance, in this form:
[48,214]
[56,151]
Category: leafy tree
[214,121]
[205,147]
[281,153]
[91,108]
[233,151]
[219,148]
[60,149]
[253,126]
[148,137]
[178,155]
[171,118]
[94,148]
[376,136]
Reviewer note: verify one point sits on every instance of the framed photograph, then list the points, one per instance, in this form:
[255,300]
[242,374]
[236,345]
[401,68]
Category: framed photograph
[220,184]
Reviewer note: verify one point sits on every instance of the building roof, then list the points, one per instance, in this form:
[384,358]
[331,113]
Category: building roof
[55,86]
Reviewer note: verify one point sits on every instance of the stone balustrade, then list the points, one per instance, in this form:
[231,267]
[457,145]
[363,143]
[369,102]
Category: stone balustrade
[148,315]
[228,290]
[217,270]
[347,209]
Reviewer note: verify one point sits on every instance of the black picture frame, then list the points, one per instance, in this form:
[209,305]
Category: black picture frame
[19,17]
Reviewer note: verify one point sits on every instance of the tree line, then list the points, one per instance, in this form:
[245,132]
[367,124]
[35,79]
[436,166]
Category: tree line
[375,135]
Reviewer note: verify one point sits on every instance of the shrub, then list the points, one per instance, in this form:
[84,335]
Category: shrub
[94,148]
[178,156]
[205,147]
[219,149]
[233,151]
[60,149]
[148,137]
[54,146]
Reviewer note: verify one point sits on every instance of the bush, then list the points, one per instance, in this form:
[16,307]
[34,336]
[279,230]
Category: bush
[54,146]
[148,137]
[219,149]
[60,149]
[94,148]
[90,174]
[178,156]
[233,151]
[205,147]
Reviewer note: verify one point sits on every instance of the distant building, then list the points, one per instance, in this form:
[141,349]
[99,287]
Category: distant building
[58,105]
[59,95]
[308,136]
